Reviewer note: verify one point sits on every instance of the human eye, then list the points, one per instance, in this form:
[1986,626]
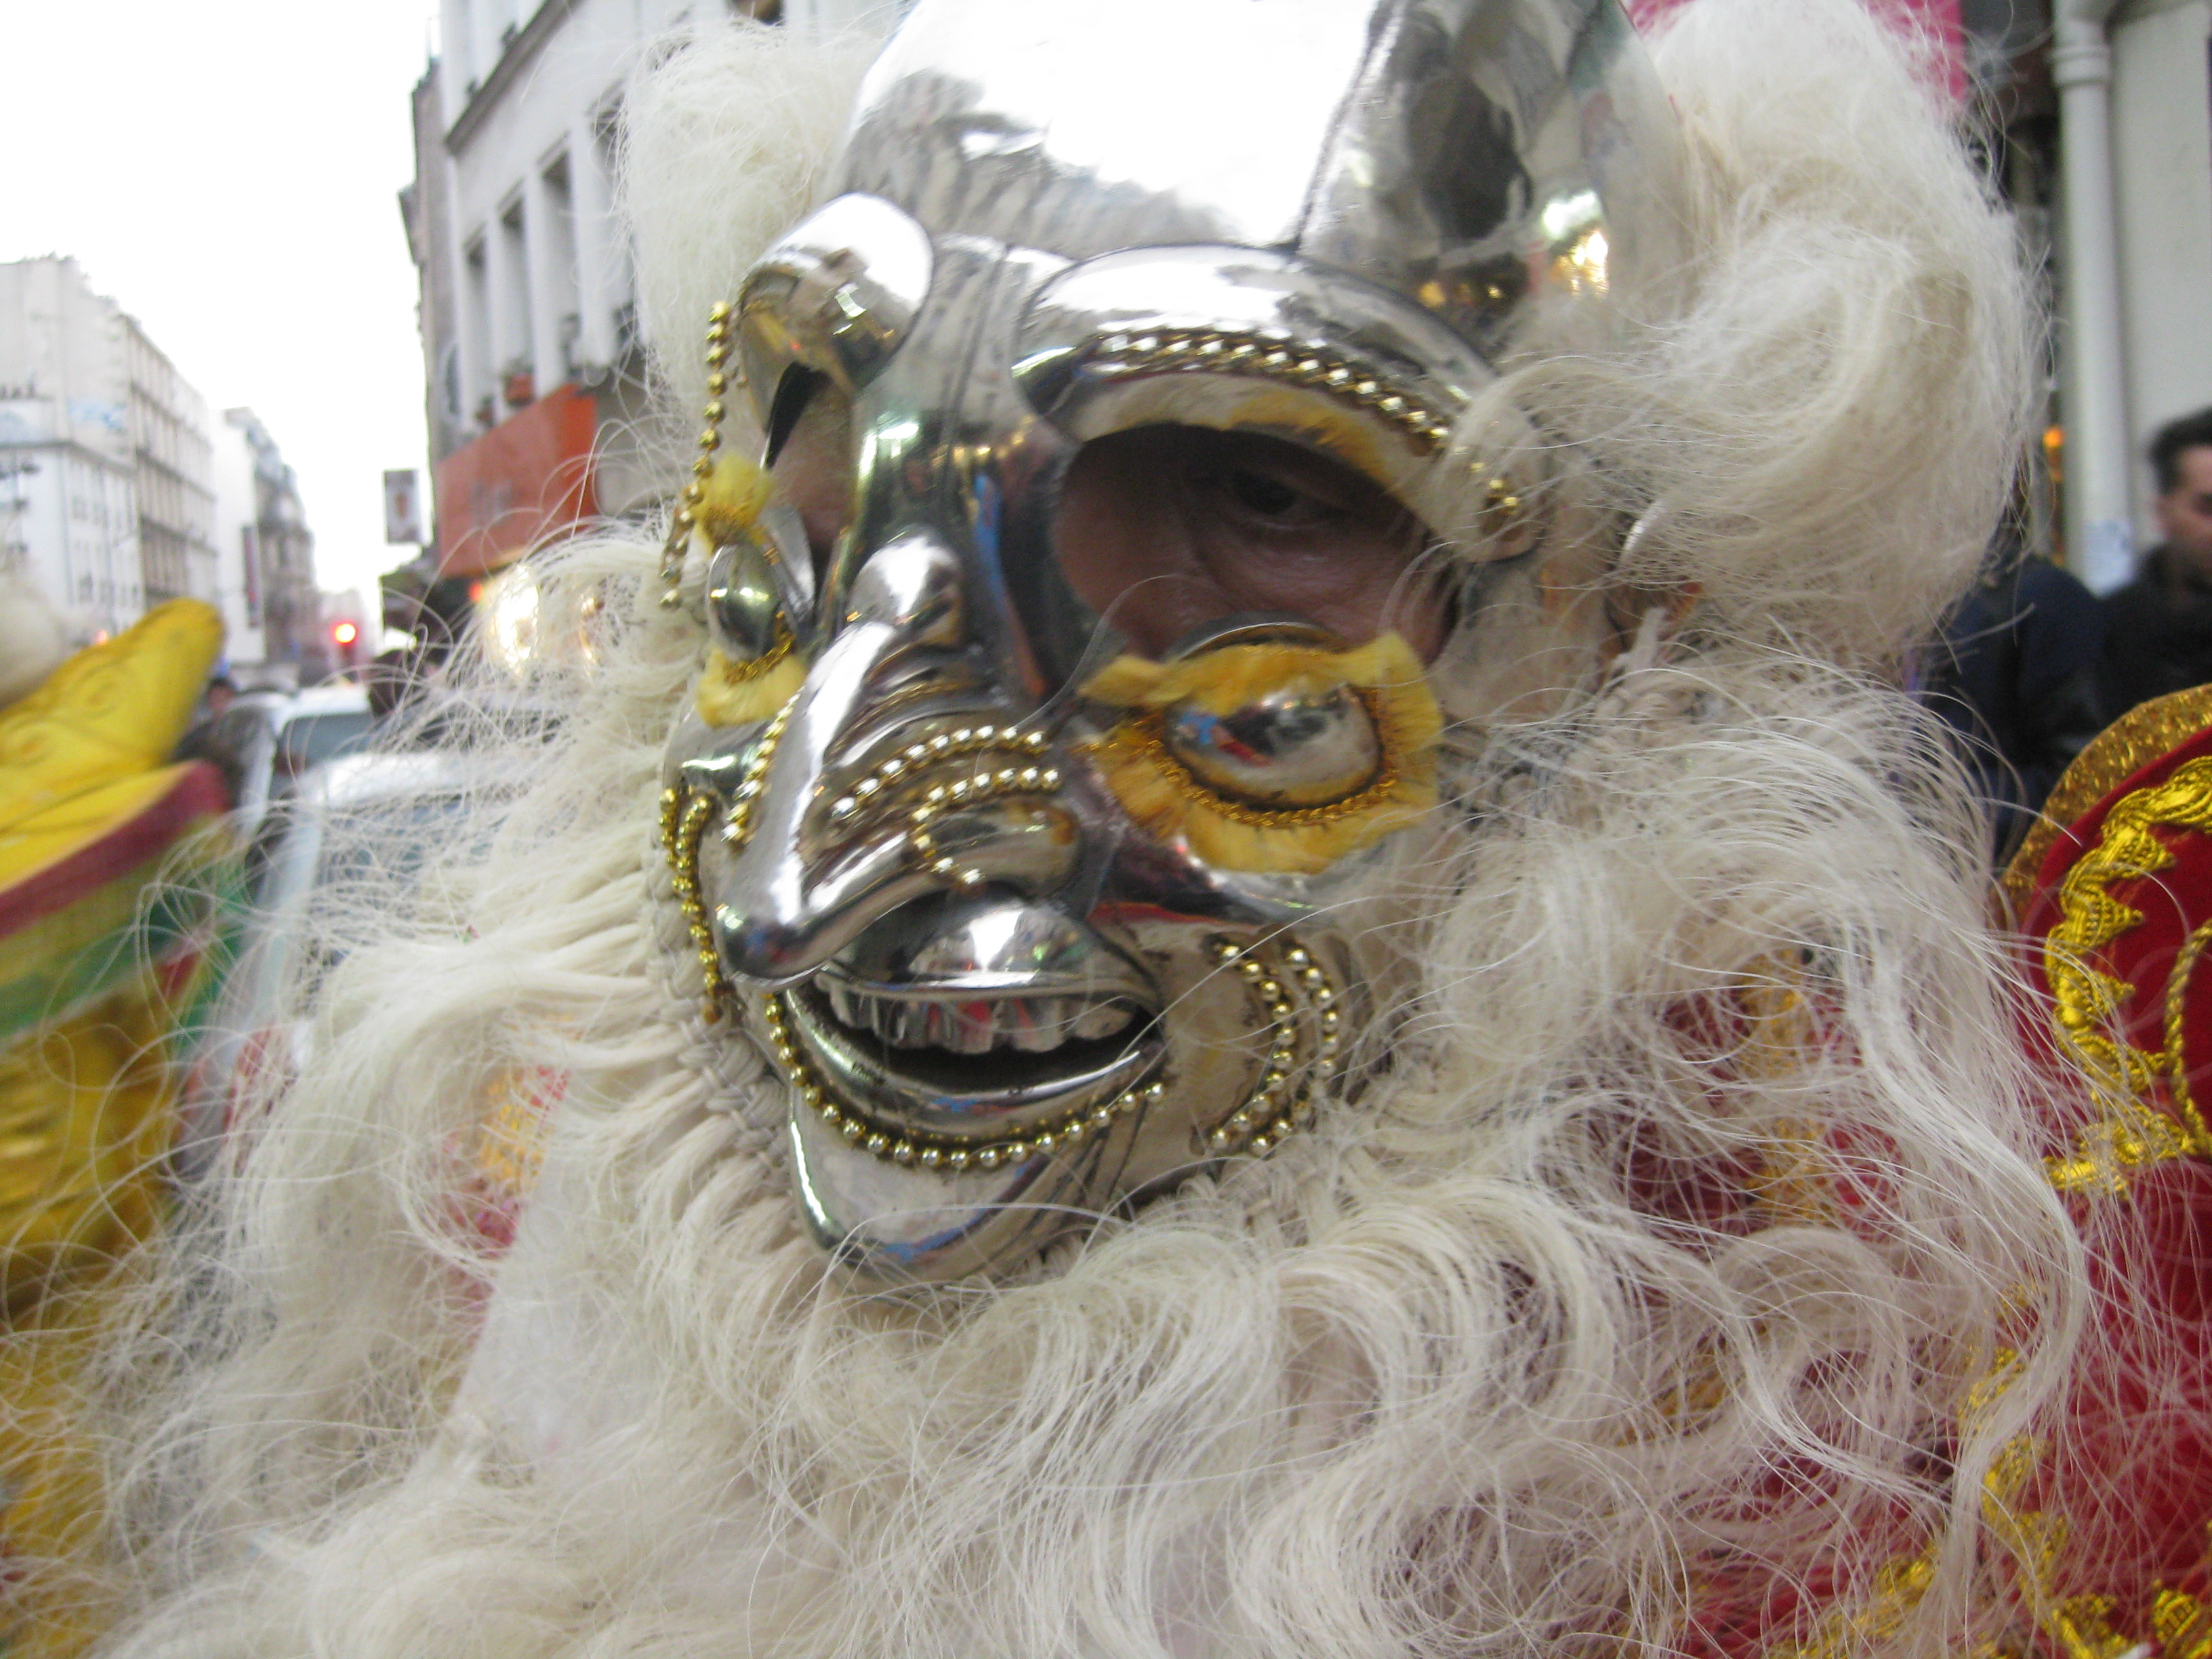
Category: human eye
[1273,499]
[1266,495]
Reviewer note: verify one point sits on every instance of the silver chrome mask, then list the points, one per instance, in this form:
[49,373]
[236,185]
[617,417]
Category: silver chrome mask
[1035,928]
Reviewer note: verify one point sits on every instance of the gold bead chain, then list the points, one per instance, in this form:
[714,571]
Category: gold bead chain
[1198,351]
[1201,350]
[970,792]
[1274,1109]
[710,440]
[875,789]
[875,793]
[1267,1116]
[952,1154]
[754,778]
[684,815]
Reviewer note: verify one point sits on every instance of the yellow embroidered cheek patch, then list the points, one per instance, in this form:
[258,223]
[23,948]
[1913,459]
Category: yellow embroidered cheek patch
[733,692]
[1272,758]
[761,670]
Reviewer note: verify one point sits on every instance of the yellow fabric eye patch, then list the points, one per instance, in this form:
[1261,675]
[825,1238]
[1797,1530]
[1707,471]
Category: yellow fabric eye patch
[741,691]
[1272,758]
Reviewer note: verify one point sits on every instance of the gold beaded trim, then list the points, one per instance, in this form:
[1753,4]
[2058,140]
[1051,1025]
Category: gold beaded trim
[2146,734]
[889,774]
[1204,351]
[881,786]
[738,830]
[1145,731]
[685,814]
[952,1154]
[1262,1122]
[970,791]
[710,440]
[1274,1109]
[743,670]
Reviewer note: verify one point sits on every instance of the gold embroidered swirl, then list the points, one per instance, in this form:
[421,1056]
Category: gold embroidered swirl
[2131,1133]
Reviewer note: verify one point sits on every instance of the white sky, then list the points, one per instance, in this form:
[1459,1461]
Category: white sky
[229,171]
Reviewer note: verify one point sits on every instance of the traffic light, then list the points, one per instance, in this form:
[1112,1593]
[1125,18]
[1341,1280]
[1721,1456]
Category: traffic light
[345,637]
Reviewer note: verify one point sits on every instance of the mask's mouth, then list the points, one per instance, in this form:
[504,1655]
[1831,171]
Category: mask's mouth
[976,1026]
[975,1057]
[982,1020]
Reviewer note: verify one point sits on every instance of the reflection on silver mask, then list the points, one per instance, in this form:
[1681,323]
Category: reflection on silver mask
[1034,932]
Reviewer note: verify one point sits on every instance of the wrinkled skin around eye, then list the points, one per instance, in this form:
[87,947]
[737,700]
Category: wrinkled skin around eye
[1165,528]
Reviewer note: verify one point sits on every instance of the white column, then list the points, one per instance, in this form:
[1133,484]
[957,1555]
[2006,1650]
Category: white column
[2099,539]
[589,198]
[2162,195]
[538,238]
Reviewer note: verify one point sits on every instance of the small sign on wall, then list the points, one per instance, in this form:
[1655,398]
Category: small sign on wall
[403,508]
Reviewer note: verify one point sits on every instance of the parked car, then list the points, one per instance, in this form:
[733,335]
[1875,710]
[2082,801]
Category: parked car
[357,817]
[276,737]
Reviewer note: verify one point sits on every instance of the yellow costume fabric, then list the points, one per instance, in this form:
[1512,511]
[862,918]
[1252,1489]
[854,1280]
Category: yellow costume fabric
[99,959]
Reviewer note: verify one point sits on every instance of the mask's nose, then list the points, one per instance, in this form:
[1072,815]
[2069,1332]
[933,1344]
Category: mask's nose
[898,771]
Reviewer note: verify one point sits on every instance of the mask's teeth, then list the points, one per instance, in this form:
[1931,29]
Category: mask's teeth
[1101,1019]
[971,1027]
[907,1024]
[930,1026]
[1034,1026]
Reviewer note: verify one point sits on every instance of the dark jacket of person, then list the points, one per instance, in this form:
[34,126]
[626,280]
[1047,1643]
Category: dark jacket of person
[2158,637]
[205,742]
[2015,673]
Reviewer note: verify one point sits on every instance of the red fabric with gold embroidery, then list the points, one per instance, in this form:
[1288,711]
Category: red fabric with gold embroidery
[2116,908]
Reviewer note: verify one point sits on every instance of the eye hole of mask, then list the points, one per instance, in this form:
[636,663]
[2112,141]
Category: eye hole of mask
[811,454]
[1163,529]
[795,390]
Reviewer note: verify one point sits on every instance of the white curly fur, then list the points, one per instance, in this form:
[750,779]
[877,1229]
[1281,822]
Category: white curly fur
[1477,1366]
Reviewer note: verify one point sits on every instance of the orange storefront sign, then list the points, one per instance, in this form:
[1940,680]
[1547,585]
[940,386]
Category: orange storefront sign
[527,480]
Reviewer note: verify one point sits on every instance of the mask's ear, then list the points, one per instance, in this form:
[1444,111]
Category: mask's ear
[722,146]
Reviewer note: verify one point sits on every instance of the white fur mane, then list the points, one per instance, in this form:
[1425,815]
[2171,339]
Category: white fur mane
[1494,1360]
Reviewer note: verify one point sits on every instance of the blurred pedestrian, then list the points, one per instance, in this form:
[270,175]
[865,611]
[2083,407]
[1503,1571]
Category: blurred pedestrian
[211,739]
[391,680]
[2015,672]
[2158,628]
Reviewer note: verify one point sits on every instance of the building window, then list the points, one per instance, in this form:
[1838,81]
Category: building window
[477,276]
[560,251]
[514,302]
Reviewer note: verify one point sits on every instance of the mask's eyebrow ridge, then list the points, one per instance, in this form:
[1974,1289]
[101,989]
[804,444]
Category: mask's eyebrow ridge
[1362,385]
